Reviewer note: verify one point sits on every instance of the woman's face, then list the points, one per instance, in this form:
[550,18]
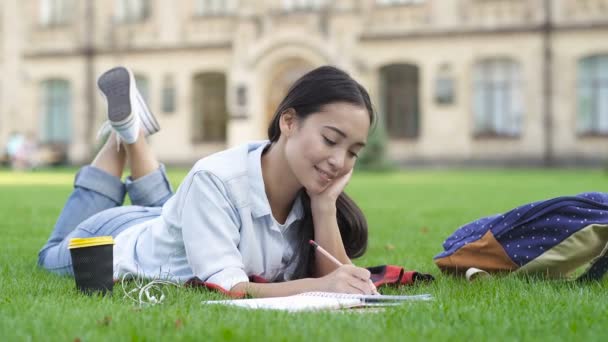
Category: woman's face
[325,145]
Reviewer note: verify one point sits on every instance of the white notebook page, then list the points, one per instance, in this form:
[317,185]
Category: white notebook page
[318,301]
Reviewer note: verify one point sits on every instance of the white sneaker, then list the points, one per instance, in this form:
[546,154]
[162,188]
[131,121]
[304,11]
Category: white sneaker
[127,111]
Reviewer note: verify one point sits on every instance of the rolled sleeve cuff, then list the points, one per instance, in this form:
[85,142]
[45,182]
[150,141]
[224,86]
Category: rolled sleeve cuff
[228,277]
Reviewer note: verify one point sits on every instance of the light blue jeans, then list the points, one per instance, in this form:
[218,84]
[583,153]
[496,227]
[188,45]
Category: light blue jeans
[95,209]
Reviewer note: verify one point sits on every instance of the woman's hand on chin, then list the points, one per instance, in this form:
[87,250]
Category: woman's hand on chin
[326,199]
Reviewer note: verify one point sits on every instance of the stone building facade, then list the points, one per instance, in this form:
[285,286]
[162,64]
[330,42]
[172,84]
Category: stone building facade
[456,81]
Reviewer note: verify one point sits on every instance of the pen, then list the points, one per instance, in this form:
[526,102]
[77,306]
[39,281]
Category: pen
[333,259]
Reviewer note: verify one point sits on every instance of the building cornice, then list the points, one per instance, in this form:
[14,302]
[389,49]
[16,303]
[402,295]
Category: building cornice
[128,50]
[536,28]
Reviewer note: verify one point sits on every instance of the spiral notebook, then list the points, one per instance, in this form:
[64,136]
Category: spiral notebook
[312,301]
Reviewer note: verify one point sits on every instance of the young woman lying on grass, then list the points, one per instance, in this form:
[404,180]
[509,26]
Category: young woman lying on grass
[246,211]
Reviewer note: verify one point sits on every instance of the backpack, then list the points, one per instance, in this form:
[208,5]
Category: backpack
[552,238]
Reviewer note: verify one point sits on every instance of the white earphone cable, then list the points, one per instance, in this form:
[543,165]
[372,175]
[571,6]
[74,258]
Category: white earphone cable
[150,293]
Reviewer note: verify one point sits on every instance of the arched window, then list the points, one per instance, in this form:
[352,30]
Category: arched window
[209,108]
[56,111]
[592,115]
[497,97]
[399,85]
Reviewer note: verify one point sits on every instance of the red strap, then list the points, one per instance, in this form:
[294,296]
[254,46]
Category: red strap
[257,279]
[381,276]
[388,274]
[396,275]
[408,277]
[197,282]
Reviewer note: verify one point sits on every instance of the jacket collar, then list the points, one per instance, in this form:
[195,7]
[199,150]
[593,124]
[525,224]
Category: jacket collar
[260,206]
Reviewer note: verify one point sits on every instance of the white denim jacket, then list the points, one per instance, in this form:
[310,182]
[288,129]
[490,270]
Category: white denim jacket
[218,227]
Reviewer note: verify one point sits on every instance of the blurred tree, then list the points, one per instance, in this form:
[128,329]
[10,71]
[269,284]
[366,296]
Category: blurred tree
[373,156]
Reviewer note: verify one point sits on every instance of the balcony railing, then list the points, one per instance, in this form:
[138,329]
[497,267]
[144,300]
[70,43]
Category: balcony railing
[582,11]
[209,29]
[398,18]
[500,13]
[51,34]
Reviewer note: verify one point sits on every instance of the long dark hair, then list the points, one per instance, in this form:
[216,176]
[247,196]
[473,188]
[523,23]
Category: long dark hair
[319,87]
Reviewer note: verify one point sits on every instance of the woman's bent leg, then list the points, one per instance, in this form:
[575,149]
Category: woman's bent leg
[110,222]
[151,190]
[94,191]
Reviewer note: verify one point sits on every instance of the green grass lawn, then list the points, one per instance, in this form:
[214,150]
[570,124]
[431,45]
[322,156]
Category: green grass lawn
[410,214]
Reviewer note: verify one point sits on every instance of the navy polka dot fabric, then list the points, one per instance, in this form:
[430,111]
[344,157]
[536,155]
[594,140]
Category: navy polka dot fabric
[531,229]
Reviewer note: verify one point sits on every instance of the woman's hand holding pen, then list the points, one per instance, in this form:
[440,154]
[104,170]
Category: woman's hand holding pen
[357,272]
[347,279]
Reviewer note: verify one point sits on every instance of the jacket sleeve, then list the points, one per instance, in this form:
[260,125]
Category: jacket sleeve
[210,229]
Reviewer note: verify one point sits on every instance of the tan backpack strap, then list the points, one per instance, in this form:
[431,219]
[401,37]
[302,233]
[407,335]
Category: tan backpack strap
[598,267]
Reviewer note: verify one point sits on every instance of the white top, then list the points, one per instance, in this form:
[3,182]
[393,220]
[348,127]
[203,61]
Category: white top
[218,227]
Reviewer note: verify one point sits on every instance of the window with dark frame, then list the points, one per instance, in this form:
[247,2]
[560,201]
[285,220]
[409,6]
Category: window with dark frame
[209,115]
[302,5]
[56,111]
[168,94]
[214,7]
[399,2]
[143,86]
[497,98]
[592,117]
[132,11]
[55,12]
[400,100]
